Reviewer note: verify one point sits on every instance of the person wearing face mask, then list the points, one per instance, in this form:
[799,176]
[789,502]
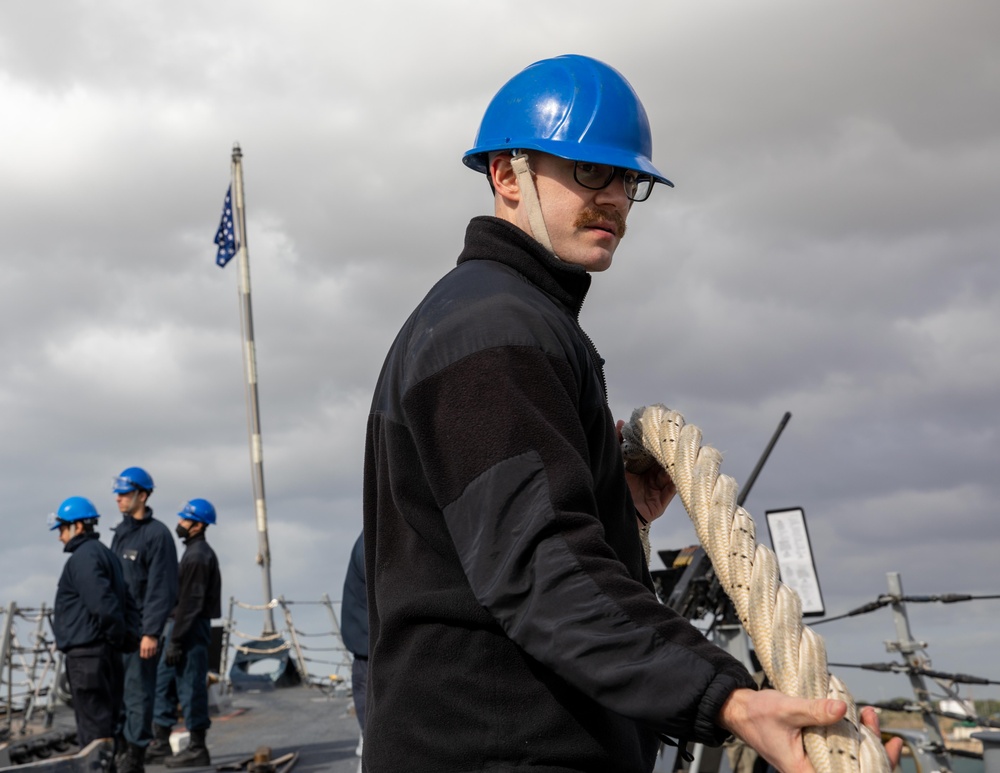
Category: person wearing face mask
[148,556]
[183,670]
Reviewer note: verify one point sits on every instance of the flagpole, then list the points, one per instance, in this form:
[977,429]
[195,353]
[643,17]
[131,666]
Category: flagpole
[253,409]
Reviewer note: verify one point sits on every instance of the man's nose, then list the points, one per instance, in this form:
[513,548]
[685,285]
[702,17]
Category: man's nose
[613,195]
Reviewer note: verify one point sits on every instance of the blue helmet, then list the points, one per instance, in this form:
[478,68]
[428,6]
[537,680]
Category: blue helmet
[72,510]
[133,478]
[198,510]
[573,107]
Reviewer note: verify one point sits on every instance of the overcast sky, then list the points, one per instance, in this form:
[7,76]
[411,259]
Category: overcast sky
[830,250]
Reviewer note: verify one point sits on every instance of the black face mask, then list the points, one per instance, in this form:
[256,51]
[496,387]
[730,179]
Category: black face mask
[182,531]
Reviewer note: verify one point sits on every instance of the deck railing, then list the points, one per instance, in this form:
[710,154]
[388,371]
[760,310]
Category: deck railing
[319,656]
[31,668]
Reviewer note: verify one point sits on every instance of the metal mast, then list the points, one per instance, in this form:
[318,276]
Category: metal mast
[253,409]
[910,649]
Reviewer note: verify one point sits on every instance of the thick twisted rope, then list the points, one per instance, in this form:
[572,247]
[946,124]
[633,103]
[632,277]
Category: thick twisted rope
[792,655]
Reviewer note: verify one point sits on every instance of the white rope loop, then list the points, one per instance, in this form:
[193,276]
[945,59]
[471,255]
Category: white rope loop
[792,655]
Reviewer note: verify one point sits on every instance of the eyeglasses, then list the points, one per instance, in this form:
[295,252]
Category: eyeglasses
[599,176]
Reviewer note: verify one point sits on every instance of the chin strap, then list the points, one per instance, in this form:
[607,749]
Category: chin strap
[529,196]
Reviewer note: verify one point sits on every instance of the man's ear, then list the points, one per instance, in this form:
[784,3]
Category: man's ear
[504,179]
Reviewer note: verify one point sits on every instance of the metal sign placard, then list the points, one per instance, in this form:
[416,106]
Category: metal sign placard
[790,540]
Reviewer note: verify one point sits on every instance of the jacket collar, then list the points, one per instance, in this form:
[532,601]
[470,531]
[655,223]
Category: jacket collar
[490,238]
[78,540]
[200,537]
[128,523]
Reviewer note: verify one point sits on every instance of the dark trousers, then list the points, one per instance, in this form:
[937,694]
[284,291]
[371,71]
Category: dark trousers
[140,692]
[95,679]
[186,682]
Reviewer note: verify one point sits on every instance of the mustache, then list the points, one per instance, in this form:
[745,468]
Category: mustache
[593,215]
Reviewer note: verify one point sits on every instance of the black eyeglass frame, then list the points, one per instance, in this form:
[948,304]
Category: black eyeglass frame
[639,180]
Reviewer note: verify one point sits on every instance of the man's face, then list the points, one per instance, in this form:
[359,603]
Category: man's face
[66,532]
[132,503]
[585,226]
[191,527]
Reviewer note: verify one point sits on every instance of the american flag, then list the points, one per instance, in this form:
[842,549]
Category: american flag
[225,237]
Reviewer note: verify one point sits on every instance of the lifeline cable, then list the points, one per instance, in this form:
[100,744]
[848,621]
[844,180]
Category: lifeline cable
[792,655]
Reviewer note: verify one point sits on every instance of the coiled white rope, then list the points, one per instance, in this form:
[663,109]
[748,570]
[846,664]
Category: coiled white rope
[792,655]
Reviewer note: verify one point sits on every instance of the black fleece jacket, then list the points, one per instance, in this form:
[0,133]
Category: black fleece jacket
[511,615]
[200,586]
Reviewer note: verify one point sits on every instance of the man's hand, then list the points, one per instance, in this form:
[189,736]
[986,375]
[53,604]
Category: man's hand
[651,490]
[772,723]
[893,747]
[174,654]
[148,647]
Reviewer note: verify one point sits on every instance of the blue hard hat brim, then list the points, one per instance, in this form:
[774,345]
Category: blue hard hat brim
[196,518]
[60,522]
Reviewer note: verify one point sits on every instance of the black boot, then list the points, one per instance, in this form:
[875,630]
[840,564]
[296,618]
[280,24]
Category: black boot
[121,749]
[159,748]
[131,761]
[194,756]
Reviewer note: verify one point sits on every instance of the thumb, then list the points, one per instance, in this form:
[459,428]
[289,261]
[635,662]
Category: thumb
[827,711]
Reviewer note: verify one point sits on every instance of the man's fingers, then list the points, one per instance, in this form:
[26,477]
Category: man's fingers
[894,750]
[894,746]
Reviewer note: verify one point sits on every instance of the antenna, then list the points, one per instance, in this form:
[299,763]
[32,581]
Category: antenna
[745,491]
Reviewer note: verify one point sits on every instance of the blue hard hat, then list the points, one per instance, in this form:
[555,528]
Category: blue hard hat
[570,106]
[72,510]
[133,478]
[198,510]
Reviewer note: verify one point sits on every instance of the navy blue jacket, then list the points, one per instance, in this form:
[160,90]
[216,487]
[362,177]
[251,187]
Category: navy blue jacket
[354,603]
[92,603]
[149,560]
[200,586]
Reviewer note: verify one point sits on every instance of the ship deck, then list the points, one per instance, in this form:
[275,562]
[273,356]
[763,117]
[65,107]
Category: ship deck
[318,724]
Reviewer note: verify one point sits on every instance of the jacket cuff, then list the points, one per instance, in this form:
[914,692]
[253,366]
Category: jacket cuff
[706,729]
